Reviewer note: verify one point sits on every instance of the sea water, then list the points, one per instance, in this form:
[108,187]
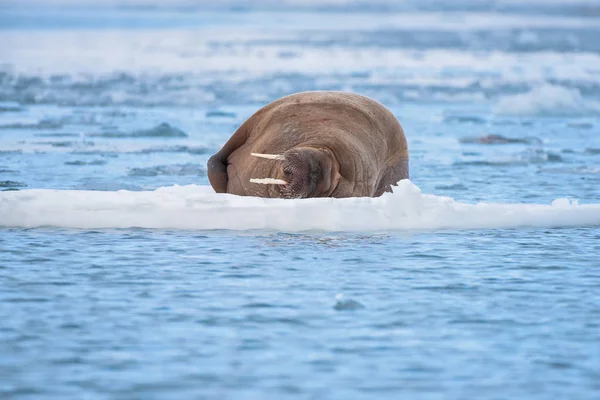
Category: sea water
[123,275]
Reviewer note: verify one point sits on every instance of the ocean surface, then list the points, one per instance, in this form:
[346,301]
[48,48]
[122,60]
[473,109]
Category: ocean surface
[124,276]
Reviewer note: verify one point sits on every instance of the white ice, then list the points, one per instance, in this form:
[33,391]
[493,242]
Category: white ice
[199,208]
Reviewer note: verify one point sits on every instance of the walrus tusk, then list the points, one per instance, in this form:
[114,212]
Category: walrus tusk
[269,181]
[269,156]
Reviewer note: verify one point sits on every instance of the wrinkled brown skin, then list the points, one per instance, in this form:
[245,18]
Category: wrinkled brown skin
[363,140]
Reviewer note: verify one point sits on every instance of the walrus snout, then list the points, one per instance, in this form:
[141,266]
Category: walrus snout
[303,172]
[306,172]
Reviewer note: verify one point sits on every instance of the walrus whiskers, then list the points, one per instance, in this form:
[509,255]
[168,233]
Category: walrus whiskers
[269,156]
[268,181]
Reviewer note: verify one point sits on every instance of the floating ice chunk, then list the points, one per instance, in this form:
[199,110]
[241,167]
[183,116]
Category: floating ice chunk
[199,208]
[162,130]
[343,304]
[548,100]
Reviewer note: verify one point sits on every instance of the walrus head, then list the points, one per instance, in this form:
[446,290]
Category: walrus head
[305,172]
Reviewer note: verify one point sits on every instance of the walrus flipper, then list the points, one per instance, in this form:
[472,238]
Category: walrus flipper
[217,164]
[392,176]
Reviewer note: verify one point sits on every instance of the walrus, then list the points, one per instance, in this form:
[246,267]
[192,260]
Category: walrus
[313,144]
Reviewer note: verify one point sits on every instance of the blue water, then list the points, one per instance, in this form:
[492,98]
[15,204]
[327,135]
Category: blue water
[138,99]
